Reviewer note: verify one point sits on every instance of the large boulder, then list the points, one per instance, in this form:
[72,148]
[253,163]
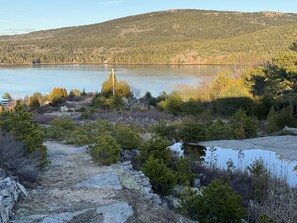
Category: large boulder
[10,191]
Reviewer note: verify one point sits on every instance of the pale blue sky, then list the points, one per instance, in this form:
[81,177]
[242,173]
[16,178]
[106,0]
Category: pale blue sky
[21,16]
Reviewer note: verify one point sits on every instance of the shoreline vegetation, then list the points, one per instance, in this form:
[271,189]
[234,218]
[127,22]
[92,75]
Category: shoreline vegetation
[137,64]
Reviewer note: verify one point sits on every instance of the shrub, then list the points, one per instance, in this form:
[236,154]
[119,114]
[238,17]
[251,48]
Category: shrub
[105,150]
[260,177]
[103,103]
[217,204]
[161,177]
[20,124]
[156,148]
[74,93]
[126,137]
[15,159]
[184,174]
[218,130]
[88,133]
[192,130]
[122,89]
[165,131]
[60,129]
[172,104]
[278,120]
[192,107]
[6,95]
[58,93]
[243,125]
[35,100]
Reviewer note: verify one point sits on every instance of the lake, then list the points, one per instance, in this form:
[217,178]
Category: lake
[25,80]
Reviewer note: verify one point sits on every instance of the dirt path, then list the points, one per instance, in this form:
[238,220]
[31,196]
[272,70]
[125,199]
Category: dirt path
[286,146]
[74,189]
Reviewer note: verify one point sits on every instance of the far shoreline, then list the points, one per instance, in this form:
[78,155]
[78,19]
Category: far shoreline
[125,64]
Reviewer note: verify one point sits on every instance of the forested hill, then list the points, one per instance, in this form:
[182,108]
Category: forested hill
[176,36]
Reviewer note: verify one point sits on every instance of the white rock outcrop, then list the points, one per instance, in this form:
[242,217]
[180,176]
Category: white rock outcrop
[10,191]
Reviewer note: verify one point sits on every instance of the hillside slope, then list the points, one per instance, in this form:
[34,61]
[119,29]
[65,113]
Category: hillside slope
[176,36]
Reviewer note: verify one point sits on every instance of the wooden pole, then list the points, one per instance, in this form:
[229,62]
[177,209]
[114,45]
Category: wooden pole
[112,74]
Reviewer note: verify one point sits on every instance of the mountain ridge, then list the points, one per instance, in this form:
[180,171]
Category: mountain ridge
[163,37]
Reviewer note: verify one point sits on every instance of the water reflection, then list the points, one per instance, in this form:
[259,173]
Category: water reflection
[278,166]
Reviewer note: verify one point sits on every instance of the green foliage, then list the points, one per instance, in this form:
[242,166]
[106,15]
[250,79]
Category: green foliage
[74,93]
[192,130]
[192,107]
[60,129]
[57,93]
[278,120]
[260,178]
[126,137]
[88,133]
[35,100]
[20,124]
[6,95]
[172,104]
[275,83]
[156,148]
[217,204]
[184,174]
[243,125]
[265,219]
[161,177]
[106,150]
[121,88]
[218,130]
[165,131]
[105,104]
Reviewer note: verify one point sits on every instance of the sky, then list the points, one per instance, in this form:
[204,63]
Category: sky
[23,16]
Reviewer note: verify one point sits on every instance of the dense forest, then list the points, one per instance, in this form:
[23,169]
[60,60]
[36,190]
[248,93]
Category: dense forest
[165,37]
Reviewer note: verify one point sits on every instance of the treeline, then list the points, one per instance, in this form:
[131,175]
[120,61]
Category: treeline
[160,38]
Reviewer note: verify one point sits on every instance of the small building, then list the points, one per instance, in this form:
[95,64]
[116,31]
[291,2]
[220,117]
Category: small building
[5,102]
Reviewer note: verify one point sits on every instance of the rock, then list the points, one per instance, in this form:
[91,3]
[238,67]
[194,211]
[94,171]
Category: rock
[286,129]
[2,174]
[171,202]
[107,180]
[116,213]
[22,189]
[10,191]
[156,199]
[197,183]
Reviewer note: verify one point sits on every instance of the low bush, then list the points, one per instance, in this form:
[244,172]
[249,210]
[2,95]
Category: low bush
[192,130]
[74,93]
[278,120]
[217,204]
[126,137]
[184,174]
[218,130]
[19,123]
[161,177]
[165,131]
[60,129]
[243,126]
[16,161]
[157,148]
[105,150]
